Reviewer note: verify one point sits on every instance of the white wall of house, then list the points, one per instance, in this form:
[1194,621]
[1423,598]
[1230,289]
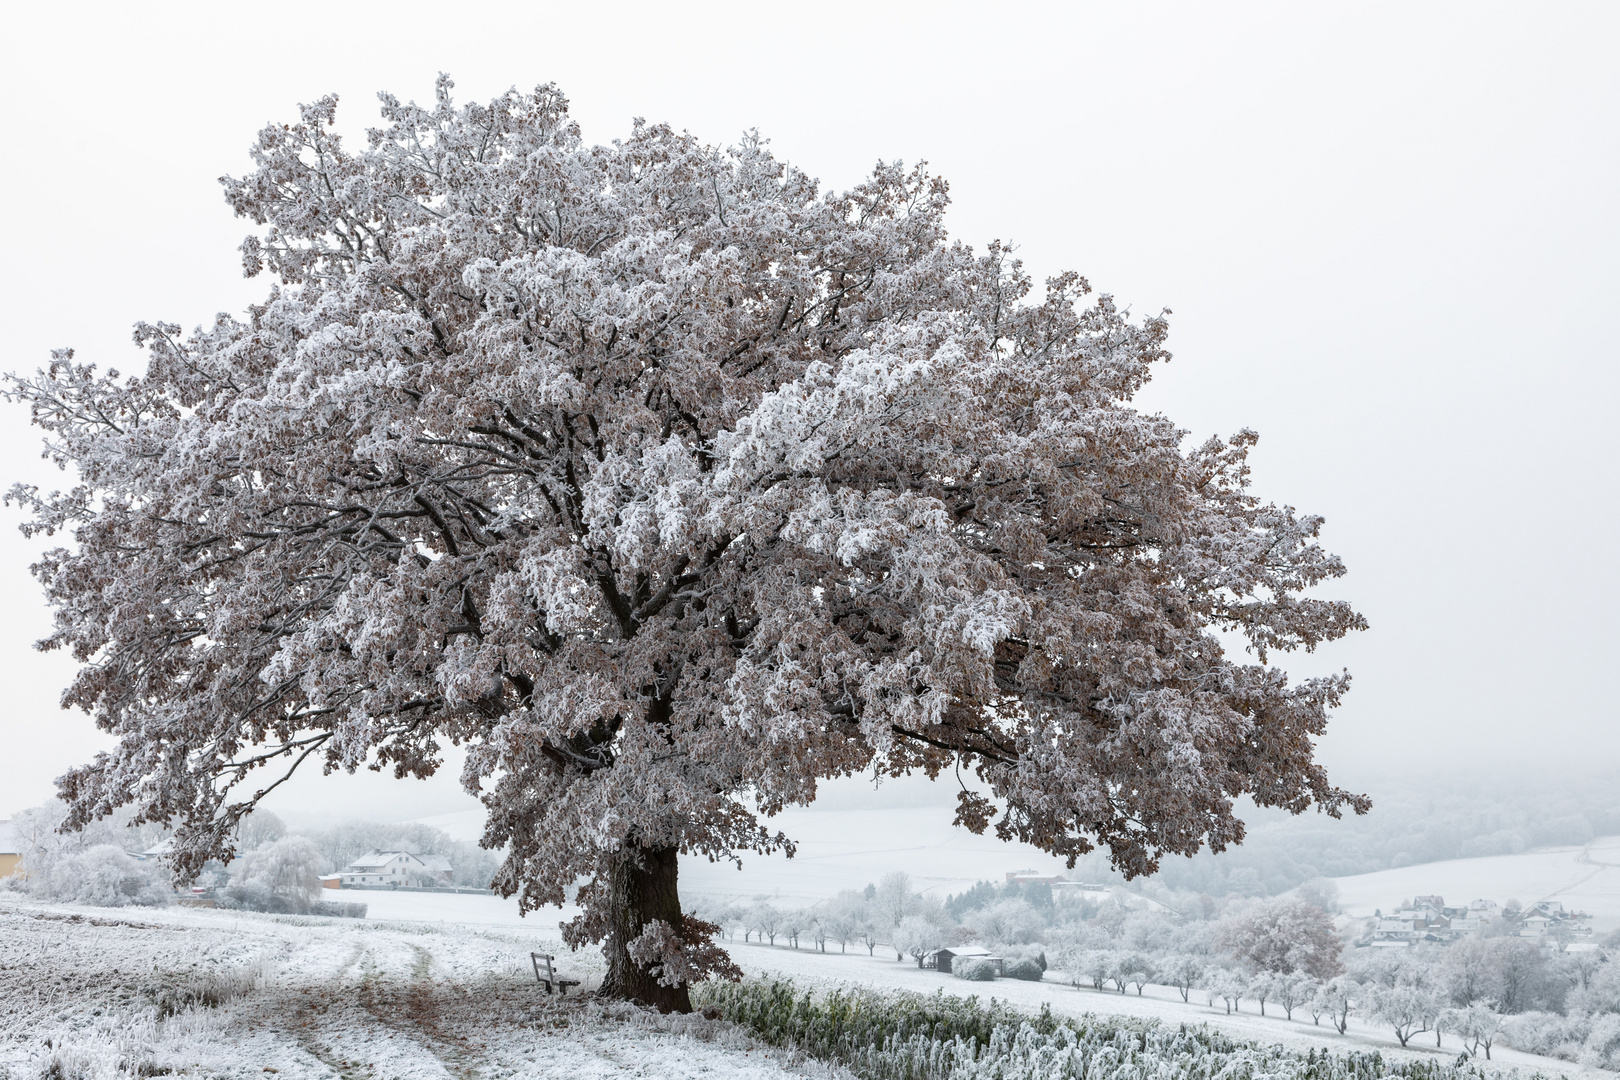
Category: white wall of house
[390,868]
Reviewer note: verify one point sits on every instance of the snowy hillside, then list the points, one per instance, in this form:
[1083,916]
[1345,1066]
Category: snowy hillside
[1584,878]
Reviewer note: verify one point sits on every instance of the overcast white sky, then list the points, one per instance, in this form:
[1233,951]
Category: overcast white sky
[1388,233]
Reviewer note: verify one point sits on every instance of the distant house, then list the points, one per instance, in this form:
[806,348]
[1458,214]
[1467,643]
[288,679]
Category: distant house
[1423,919]
[1029,877]
[10,849]
[162,848]
[942,959]
[1535,925]
[382,868]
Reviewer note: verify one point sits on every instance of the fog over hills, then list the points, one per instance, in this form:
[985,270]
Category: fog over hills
[856,831]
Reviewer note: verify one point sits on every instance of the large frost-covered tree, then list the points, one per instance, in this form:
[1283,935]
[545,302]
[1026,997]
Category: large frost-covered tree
[667,485]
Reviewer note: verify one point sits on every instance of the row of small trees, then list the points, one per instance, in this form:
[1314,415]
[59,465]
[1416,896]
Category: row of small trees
[889,913]
[1281,954]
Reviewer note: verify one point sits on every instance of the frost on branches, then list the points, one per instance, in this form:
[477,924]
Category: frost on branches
[669,486]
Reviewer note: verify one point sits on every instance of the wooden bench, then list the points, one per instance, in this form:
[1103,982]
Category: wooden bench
[546,975]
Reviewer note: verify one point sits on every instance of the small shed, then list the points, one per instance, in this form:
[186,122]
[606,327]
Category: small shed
[944,958]
[10,849]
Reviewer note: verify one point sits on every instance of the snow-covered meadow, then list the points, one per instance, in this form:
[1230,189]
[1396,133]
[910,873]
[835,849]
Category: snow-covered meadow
[95,993]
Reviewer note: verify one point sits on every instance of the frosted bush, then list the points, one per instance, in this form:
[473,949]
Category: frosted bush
[1538,1033]
[1593,1041]
[1602,1047]
[1601,994]
[974,970]
[102,875]
[281,876]
[1027,970]
[250,895]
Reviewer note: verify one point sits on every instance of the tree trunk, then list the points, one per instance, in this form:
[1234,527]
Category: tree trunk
[642,881]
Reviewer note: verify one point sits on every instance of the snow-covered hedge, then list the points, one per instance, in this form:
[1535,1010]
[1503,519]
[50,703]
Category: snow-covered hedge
[1027,970]
[895,1035]
[974,970]
[1592,1040]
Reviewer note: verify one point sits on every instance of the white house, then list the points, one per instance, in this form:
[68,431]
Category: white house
[396,868]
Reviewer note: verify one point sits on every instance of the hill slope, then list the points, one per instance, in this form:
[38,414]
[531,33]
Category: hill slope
[1585,878]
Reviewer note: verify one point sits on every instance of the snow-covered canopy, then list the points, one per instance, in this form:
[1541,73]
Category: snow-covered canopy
[668,485]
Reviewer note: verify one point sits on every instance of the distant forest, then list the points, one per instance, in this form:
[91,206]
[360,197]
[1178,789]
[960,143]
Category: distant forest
[1411,822]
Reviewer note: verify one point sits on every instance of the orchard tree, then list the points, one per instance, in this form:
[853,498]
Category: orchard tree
[669,486]
[1405,1010]
[1477,1025]
[1182,971]
[1292,991]
[1337,998]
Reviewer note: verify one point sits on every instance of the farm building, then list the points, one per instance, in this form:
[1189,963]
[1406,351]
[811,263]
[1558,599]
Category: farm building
[384,868]
[1024,877]
[942,959]
[10,849]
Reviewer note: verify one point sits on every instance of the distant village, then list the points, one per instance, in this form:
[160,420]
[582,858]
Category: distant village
[1428,919]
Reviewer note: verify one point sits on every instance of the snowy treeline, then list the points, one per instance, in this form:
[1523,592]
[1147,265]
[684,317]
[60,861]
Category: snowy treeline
[1279,956]
[889,916]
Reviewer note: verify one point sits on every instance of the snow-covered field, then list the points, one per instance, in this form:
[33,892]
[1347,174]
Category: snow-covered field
[469,908]
[421,993]
[91,993]
[1584,878]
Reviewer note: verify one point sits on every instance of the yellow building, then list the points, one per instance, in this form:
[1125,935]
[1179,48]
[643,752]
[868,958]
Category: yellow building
[10,850]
